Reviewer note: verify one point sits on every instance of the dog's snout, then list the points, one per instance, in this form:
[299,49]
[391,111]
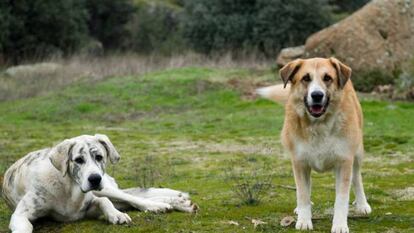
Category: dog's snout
[95,179]
[317,96]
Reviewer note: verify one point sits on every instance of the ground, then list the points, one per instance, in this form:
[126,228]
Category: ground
[193,126]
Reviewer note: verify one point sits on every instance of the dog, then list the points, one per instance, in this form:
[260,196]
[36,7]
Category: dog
[322,131]
[68,182]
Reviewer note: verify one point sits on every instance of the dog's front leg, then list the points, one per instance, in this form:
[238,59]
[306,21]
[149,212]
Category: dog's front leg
[26,211]
[113,215]
[303,191]
[137,202]
[343,184]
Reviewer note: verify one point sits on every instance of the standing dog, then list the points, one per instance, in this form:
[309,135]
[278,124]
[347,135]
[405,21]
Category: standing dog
[68,182]
[322,131]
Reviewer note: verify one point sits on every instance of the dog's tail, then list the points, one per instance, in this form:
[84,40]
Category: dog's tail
[276,93]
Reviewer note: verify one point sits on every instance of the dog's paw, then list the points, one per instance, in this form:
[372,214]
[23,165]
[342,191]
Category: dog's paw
[157,207]
[304,225]
[118,217]
[186,206]
[340,228]
[364,208]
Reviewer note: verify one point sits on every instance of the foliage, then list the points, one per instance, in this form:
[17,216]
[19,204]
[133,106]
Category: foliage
[347,6]
[368,80]
[41,28]
[265,25]
[155,27]
[249,187]
[107,20]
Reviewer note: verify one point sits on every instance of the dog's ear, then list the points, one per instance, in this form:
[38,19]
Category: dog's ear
[289,70]
[110,149]
[343,71]
[60,154]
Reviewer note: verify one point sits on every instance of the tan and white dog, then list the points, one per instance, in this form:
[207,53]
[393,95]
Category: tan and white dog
[322,131]
[68,182]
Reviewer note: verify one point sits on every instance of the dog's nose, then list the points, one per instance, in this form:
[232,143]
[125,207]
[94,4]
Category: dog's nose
[95,179]
[317,96]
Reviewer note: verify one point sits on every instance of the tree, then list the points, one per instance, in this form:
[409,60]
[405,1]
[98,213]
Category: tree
[265,25]
[40,28]
[107,20]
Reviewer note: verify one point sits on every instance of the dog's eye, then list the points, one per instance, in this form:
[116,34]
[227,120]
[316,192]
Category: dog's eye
[306,78]
[98,158]
[79,160]
[327,78]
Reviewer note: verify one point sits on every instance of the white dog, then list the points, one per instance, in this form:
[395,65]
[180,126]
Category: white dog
[68,182]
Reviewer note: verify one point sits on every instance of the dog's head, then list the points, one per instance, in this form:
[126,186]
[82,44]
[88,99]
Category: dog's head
[84,159]
[316,83]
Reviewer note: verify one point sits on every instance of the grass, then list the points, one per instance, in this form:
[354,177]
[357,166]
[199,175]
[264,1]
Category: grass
[202,122]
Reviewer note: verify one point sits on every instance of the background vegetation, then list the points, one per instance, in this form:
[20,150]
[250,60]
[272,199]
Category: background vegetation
[40,29]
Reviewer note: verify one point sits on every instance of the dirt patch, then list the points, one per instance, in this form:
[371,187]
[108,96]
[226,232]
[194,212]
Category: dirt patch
[247,87]
[264,148]
[406,194]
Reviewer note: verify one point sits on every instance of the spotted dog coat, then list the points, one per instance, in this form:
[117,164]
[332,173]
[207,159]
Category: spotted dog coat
[68,182]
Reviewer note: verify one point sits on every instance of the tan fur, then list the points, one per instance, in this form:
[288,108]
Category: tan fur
[332,141]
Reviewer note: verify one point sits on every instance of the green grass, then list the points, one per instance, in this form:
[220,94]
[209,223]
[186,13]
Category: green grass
[201,126]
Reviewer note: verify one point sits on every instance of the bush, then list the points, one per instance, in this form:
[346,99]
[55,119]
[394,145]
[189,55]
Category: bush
[368,80]
[108,19]
[5,18]
[265,25]
[156,27]
[287,23]
[249,183]
[41,28]
[347,6]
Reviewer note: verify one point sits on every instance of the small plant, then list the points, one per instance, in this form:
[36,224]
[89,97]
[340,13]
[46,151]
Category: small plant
[249,185]
[150,171]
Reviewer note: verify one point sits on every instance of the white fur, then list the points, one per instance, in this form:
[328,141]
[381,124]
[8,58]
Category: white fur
[276,93]
[315,86]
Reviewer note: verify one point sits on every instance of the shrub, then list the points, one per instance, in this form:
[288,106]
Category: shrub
[108,19]
[5,18]
[155,27]
[348,6]
[266,25]
[366,81]
[249,186]
[41,28]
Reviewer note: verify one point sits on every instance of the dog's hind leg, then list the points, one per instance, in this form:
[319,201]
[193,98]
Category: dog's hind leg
[361,203]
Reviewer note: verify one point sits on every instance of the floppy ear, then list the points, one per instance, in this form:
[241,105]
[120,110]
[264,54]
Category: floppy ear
[344,72]
[60,154]
[289,70]
[110,149]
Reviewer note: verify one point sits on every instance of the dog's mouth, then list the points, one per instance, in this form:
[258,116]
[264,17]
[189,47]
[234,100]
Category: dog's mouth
[316,110]
[98,188]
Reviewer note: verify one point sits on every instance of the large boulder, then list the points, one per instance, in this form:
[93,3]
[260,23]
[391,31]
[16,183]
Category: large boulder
[287,55]
[378,36]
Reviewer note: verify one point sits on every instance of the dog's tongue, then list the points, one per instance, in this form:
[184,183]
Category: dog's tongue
[316,109]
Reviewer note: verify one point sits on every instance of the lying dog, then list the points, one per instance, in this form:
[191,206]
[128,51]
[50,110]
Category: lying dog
[68,182]
[322,131]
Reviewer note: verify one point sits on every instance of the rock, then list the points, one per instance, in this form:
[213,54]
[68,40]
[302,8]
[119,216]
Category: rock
[378,36]
[287,221]
[38,68]
[289,54]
